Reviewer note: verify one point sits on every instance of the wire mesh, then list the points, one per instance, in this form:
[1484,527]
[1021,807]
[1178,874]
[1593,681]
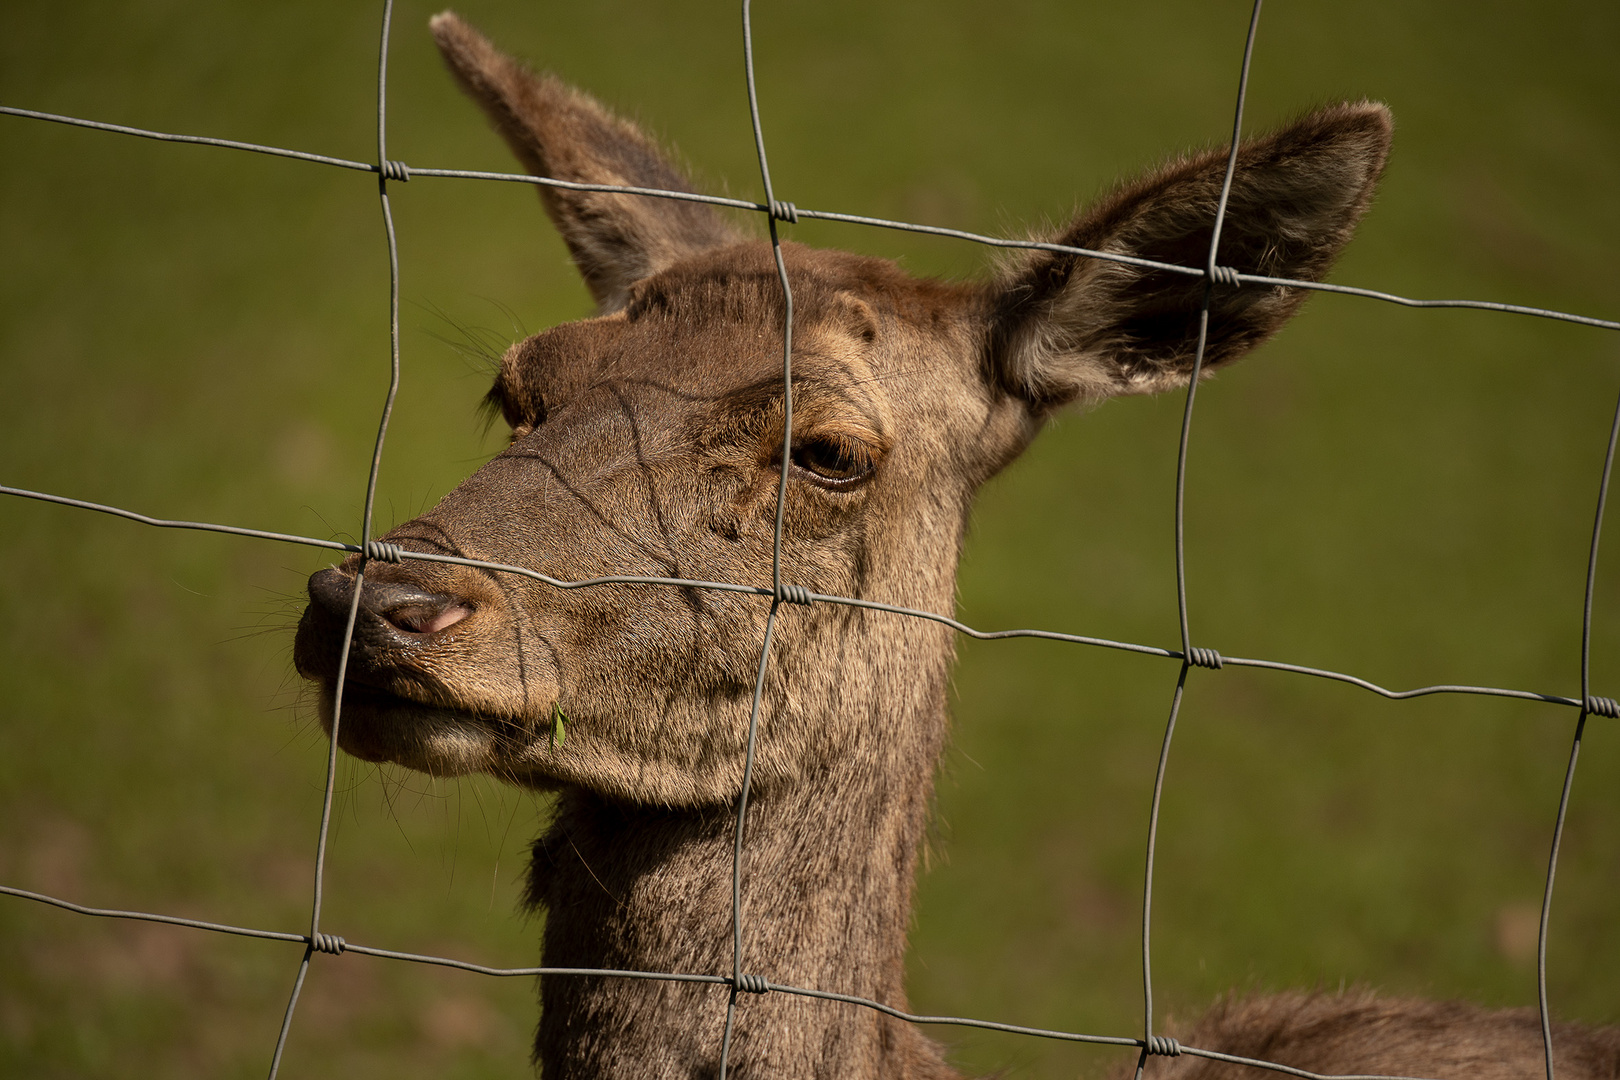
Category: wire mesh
[781,589]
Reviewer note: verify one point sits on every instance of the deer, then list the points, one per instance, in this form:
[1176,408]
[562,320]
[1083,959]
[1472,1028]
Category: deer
[647,440]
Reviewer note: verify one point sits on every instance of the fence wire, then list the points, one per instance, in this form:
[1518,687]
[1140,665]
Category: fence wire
[782,591]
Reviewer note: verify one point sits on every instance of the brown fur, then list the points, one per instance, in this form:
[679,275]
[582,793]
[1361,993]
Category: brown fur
[646,441]
[1358,1032]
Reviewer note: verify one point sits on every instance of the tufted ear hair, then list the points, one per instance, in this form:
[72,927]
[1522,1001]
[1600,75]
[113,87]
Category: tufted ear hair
[1068,327]
[562,133]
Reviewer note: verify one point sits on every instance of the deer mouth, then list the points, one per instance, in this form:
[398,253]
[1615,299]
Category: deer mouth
[410,651]
[380,725]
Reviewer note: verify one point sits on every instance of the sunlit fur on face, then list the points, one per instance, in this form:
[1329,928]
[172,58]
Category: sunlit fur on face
[649,442]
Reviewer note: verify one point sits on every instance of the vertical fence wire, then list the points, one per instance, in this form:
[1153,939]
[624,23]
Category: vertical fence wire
[781,590]
[1190,654]
[316,939]
[1587,704]
[737,981]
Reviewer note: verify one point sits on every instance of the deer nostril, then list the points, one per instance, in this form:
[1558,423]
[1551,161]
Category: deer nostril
[404,607]
[424,619]
[413,610]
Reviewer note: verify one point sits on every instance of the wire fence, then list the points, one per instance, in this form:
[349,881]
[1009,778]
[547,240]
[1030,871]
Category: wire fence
[781,590]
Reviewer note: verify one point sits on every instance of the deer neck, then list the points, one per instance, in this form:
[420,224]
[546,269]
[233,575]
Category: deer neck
[828,868]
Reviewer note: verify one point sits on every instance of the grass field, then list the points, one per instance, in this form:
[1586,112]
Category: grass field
[1406,496]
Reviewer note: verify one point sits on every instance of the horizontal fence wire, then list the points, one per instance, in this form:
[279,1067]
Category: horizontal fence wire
[787,211]
[782,591]
[1203,657]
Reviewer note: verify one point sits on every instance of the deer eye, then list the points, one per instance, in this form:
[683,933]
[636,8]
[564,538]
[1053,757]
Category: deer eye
[834,461]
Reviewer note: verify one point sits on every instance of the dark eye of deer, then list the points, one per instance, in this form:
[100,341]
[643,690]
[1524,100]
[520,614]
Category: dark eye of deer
[834,461]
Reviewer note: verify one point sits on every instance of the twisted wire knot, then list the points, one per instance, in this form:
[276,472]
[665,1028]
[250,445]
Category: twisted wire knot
[1163,1046]
[328,943]
[1207,658]
[381,551]
[395,170]
[1223,275]
[1603,706]
[752,984]
[793,594]
[784,211]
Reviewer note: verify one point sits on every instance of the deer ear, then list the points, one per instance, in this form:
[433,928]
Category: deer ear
[559,132]
[1068,327]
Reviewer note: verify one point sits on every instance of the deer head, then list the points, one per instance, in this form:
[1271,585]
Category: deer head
[646,440]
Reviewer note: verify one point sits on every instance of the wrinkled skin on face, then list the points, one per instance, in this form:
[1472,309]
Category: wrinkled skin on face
[649,442]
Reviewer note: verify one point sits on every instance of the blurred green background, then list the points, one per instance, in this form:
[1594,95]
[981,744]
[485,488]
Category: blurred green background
[1403,495]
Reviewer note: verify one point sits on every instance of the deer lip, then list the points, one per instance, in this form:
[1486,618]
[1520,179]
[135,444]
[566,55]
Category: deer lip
[381,726]
[367,702]
[386,690]
[358,692]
